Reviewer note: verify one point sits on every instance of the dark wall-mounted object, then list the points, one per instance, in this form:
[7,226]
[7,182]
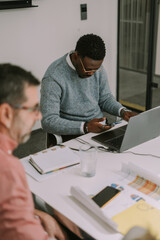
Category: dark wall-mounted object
[11,4]
[83,11]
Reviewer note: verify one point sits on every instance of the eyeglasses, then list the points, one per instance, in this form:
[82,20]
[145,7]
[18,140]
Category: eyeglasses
[35,109]
[89,71]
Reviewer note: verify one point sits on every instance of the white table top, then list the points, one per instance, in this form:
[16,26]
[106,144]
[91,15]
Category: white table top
[56,189]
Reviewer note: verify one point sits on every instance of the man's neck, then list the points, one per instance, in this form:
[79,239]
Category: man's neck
[6,131]
[73,60]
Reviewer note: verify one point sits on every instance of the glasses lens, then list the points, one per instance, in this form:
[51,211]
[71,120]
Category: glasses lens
[29,109]
[89,71]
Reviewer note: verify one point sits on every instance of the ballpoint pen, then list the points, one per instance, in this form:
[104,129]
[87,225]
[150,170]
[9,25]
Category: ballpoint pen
[55,170]
[74,149]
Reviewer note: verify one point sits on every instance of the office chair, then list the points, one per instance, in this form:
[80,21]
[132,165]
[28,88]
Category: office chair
[53,139]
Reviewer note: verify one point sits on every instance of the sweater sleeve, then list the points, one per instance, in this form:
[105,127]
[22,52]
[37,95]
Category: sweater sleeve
[52,122]
[107,101]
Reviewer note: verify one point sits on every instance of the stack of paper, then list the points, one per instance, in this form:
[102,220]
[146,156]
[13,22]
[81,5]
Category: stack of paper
[134,204]
[92,206]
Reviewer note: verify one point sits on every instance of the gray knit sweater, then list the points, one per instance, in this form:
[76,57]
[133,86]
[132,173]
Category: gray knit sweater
[68,100]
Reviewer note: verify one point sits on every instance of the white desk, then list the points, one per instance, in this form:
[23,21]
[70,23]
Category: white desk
[56,189]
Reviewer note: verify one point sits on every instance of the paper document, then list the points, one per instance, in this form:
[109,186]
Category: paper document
[90,204]
[137,199]
[140,214]
[142,180]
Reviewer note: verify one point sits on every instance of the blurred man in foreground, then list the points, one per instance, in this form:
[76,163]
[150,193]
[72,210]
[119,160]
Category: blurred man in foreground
[19,110]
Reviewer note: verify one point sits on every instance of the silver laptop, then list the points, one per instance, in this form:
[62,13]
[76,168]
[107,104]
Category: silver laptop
[140,128]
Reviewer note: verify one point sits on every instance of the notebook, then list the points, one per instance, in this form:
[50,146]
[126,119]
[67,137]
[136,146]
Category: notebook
[54,159]
[140,128]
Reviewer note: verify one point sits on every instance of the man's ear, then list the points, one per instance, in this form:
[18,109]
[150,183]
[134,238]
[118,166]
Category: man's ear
[76,55]
[6,115]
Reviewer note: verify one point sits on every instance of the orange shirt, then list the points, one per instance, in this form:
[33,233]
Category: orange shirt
[17,221]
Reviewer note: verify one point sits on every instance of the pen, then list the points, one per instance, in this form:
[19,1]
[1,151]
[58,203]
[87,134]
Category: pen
[74,149]
[55,170]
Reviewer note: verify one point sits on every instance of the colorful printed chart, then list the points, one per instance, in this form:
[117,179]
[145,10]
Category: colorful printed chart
[147,187]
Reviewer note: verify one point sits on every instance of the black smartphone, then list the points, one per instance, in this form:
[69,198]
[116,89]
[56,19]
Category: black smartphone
[112,123]
[104,196]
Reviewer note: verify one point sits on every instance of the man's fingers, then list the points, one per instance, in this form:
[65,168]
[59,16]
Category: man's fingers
[104,127]
[101,119]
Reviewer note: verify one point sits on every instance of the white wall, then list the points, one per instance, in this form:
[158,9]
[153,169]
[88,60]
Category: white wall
[34,37]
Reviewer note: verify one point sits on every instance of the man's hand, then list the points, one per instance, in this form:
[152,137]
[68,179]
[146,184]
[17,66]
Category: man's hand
[128,114]
[50,225]
[95,126]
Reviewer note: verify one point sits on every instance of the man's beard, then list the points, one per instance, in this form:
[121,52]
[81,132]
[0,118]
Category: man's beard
[26,136]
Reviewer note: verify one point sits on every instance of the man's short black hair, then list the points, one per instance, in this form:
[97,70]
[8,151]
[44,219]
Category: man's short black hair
[92,46]
[13,80]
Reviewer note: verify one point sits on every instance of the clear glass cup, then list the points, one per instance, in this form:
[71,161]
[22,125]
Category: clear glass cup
[88,160]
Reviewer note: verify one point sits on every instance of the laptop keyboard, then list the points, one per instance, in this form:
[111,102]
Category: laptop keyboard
[111,139]
[115,142]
